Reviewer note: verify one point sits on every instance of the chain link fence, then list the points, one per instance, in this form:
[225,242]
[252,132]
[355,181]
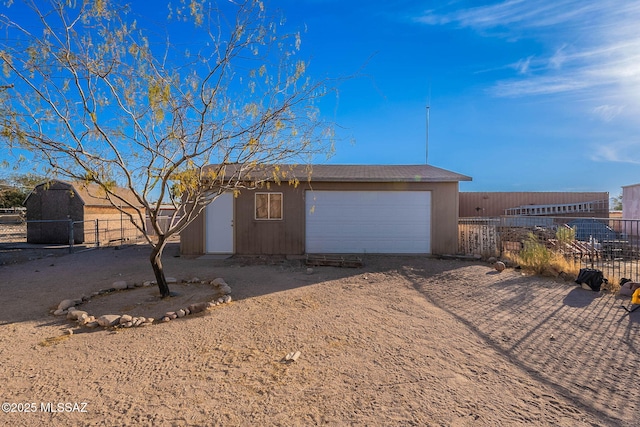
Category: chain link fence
[24,240]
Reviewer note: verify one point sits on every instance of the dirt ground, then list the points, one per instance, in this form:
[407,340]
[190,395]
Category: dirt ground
[401,341]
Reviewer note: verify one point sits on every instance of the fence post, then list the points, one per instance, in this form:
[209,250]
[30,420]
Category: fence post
[70,235]
[97,231]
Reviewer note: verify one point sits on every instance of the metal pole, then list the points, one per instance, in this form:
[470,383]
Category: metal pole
[426,157]
[70,235]
[121,227]
[97,231]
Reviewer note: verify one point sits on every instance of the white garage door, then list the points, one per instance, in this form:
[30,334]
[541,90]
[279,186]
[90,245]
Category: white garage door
[368,221]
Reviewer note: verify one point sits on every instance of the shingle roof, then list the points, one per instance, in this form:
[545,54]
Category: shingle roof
[91,194]
[356,173]
[94,195]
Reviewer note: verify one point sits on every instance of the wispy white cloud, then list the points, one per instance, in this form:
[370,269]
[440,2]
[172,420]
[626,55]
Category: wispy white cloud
[558,58]
[592,46]
[519,14]
[618,152]
[522,66]
[607,112]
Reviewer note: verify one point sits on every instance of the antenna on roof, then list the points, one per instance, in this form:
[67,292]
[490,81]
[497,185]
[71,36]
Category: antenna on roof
[426,157]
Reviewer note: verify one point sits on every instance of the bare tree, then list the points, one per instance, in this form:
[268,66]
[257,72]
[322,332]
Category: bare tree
[100,92]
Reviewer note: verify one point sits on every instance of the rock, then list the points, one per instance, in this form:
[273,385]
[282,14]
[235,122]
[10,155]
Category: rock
[499,266]
[138,285]
[148,283]
[149,321]
[218,282]
[65,304]
[220,300]
[109,320]
[173,316]
[68,331]
[84,321]
[194,280]
[226,299]
[125,318]
[197,308]
[136,321]
[165,319]
[309,270]
[59,312]
[93,324]
[181,313]
[225,289]
[127,324]
[171,280]
[119,285]
[492,260]
[292,357]
[76,314]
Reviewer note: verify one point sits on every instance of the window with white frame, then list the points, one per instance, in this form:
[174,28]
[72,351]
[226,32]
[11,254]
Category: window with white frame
[268,206]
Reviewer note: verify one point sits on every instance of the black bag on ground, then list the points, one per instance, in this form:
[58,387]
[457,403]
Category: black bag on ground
[592,278]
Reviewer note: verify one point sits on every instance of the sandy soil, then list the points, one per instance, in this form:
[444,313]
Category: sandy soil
[401,341]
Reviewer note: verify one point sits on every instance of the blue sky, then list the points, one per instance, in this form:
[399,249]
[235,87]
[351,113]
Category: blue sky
[524,95]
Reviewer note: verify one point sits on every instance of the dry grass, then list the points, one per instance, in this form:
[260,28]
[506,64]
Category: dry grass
[53,340]
[540,260]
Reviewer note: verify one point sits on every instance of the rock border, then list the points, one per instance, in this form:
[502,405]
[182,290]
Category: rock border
[69,307]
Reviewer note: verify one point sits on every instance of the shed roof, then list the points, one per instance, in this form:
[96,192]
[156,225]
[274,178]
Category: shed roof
[354,173]
[90,194]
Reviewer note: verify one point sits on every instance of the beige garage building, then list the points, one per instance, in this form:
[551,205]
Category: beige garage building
[400,209]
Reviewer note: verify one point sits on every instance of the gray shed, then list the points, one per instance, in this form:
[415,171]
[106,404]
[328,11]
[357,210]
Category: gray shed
[53,206]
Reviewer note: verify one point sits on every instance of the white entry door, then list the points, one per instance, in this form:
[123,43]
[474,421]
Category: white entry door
[219,225]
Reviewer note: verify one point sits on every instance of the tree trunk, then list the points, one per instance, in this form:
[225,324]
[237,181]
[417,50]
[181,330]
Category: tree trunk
[156,264]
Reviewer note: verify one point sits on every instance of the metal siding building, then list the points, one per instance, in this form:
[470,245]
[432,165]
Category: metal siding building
[494,204]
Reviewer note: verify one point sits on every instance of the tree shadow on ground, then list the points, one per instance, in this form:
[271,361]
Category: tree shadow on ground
[553,321]
[32,290]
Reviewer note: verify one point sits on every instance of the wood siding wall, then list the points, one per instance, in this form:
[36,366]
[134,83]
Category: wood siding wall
[493,204]
[287,236]
[192,238]
[56,203]
[270,237]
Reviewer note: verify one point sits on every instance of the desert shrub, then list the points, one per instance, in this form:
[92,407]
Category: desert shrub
[566,234]
[539,259]
[534,254]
